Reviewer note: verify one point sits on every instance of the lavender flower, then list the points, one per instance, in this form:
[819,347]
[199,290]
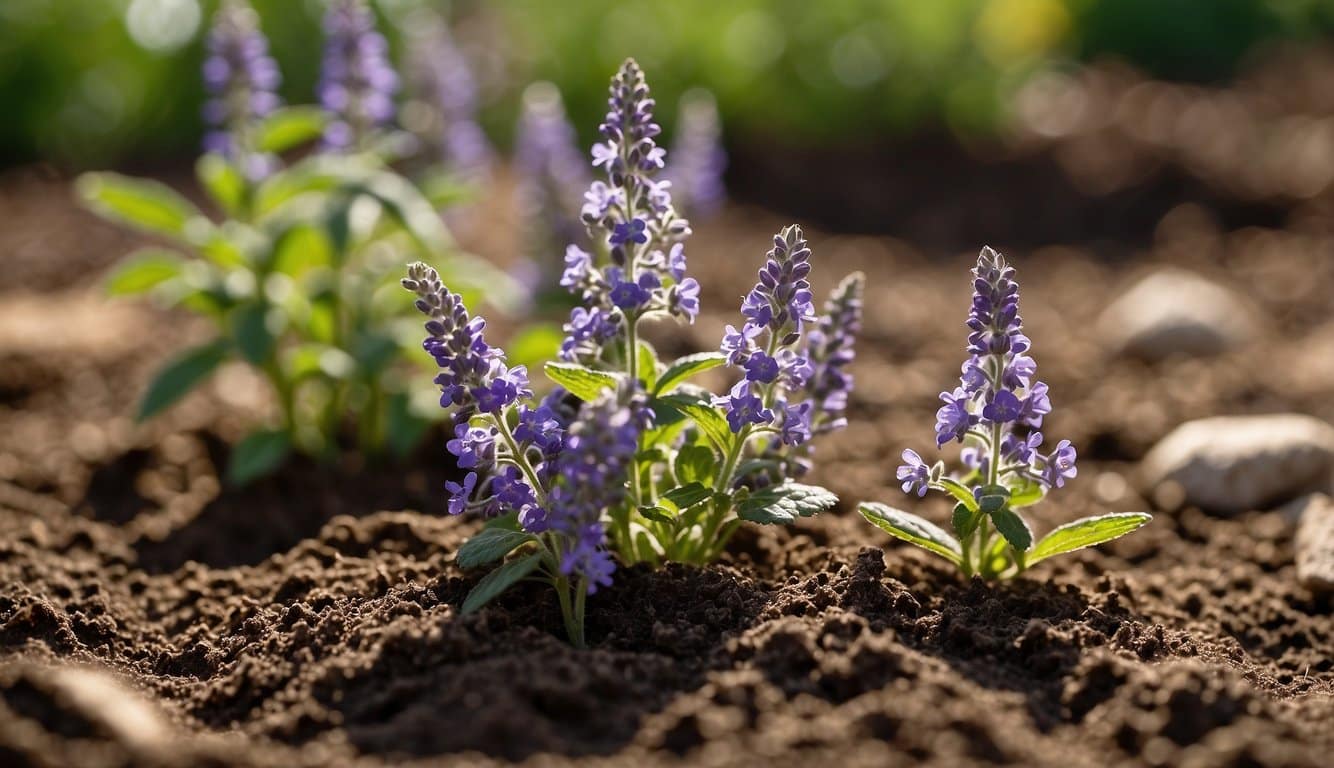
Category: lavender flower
[552,176]
[630,217]
[766,348]
[443,76]
[697,171]
[357,84]
[241,80]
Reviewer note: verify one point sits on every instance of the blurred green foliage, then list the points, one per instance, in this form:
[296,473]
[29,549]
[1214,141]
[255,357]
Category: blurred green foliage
[94,81]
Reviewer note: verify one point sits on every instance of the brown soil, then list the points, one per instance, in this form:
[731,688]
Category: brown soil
[150,616]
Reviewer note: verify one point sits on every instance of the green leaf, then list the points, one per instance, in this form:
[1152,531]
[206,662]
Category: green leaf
[965,521]
[288,128]
[222,181]
[783,504]
[1087,532]
[912,529]
[657,513]
[144,270]
[992,498]
[687,496]
[257,455]
[145,205]
[251,331]
[695,464]
[1027,494]
[710,419]
[1013,528]
[496,582]
[584,383]
[490,545]
[648,365]
[182,375]
[960,492]
[685,367]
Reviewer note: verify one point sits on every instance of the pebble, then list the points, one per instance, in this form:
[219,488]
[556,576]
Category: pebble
[1315,542]
[1230,464]
[1174,312]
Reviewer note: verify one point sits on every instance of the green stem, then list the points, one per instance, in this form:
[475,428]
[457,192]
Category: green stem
[572,611]
[518,459]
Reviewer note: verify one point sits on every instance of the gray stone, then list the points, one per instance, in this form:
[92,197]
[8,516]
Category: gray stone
[1315,543]
[1230,464]
[1175,312]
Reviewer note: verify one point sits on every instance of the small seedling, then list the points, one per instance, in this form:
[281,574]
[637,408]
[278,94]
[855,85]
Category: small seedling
[297,276]
[995,413]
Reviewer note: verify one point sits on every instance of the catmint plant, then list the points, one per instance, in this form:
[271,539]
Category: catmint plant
[996,413]
[698,157]
[625,460]
[552,178]
[357,83]
[296,273]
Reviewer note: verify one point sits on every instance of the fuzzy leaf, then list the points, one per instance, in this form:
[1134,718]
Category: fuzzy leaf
[1026,495]
[289,127]
[696,464]
[908,527]
[149,206]
[584,383]
[783,504]
[710,420]
[222,181]
[496,582]
[648,365]
[182,375]
[489,545]
[687,496]
[960,492]
[257,455]
[914,530]
[1087,532]
[1013,528]
[965,521]
[685,367]
[144,270]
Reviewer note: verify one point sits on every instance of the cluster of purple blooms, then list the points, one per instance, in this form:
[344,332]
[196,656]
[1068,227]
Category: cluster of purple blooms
[555,470]
[768,347]
[999,407]
[552,175]
[242,80]
[357,83]
[698,158]
[442,71]
[630,218]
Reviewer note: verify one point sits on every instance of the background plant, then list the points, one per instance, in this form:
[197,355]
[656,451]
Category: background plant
[995,413]
[297,273]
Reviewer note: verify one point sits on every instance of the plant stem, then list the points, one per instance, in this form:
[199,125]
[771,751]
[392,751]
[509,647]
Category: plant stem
[517,457]
[572,612]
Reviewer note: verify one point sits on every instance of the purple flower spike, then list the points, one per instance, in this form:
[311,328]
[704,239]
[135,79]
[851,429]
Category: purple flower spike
[698,156]
[628,215]
[830,348]
[442,79]
[552,177]
[241,80]
[357,85]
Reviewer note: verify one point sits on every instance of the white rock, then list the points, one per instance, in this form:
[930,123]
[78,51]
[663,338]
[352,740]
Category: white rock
[1230,464]
[1315,544]
[1175,312]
